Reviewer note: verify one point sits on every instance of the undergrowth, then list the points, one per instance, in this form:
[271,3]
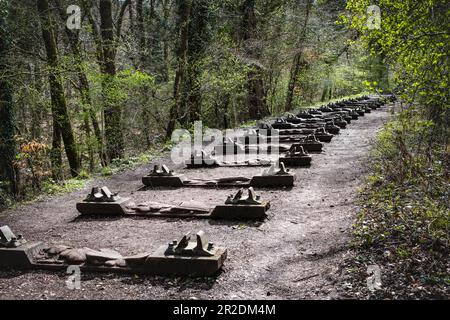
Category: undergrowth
[49,187]
[404,223]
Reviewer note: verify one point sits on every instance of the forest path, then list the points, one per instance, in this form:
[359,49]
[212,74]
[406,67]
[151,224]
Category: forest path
[295,254]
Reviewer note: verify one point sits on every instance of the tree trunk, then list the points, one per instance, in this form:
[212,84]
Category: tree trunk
[184,12]
[84,88]
[87,103]
[298,59]
[112,111]
[165,44]
[140,28]
[37,109]
[59,107]
[199,38]
[256,94]
[256,98]
[55,153]
[8,148]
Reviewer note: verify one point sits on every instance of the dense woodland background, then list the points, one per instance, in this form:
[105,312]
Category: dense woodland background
[75,101]
[137,70]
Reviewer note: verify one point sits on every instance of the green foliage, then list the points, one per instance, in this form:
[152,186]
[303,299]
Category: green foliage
[84,175]
[120,165]
[407,197]
[6,199]
[404,223]
[414,40]
[52,188]
[248,124]
[131,79]
[223,81]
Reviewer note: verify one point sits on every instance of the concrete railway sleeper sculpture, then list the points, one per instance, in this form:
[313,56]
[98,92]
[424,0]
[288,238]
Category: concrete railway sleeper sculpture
[255,135]
[285,128]
[248,208]
[162,176]
[182,258]
[201,159]
[298,159]
[230,147]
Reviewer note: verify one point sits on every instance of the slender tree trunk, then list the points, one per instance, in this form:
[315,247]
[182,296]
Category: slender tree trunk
[146,125]
[194,99]
[165,43]
[226,103]
[132,17]
[84,88]
[256,94]
[89,111]
[95,32]
[112,111]
[8,148]
[184,12]
[199,38]
[87,129]
[140,28]
[38,107]
[298,59]
[87,106]
[256,98]
[55,153]
[59,107]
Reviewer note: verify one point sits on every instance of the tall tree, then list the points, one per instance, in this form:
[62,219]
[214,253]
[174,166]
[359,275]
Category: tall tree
[165,41]
[73,37]
[199,38]
[112,110]
[298,58]
[8,148]
[256,98]
[140,30]
[61,122]
[183,13]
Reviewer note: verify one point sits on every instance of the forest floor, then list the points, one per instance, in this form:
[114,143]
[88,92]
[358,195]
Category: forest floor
[297,253]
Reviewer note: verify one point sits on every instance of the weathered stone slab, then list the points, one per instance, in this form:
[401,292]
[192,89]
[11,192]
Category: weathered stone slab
[19,257]
[241,212]
[73,256]
[273,181]
[136,260]
[296,156]
[201,160]
[8,239]
[311,146]
[163,181]
[103,208]
[185,266]
[323,136]
[296,161]
[332,129]
[94,257]
[161,264]
[56,249]
[121,263]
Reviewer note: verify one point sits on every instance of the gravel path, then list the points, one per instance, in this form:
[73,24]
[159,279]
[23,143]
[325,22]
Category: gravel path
[295,254]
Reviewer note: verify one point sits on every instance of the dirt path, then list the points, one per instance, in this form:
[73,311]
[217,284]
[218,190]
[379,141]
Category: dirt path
[293,255]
